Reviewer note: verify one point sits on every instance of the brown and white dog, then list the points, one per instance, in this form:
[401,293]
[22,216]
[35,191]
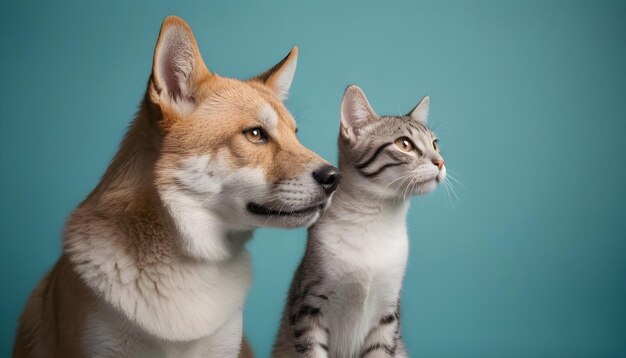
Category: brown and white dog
[153,262]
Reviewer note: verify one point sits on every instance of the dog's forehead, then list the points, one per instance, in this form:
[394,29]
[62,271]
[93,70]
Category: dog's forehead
[268,116]
[277,114]
[247,100]
[270,110]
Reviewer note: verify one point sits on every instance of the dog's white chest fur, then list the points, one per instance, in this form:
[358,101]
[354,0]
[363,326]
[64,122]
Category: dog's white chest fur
[180,307]
[106,337]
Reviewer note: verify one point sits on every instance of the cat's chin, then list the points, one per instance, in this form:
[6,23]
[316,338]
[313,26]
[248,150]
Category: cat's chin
[426,187]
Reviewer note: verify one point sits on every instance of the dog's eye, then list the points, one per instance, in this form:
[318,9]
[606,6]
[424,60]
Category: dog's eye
[435,144]
[255,135]
[404,144]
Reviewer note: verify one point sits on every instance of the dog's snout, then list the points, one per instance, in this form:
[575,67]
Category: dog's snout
[328,177]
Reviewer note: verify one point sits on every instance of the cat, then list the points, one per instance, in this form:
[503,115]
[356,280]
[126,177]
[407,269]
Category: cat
[344,298]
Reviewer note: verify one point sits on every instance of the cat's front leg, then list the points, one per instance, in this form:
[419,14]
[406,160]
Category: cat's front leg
[310,333]
[383,339]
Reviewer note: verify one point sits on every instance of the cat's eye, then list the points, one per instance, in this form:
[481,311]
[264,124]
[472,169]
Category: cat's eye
[435,144]
[255,135]
[404,144]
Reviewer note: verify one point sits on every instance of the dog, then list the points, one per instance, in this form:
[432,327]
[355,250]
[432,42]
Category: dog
[153,262]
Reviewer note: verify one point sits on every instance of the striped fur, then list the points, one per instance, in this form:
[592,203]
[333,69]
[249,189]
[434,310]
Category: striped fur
[344,297]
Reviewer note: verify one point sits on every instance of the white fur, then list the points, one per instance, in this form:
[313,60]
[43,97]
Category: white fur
[180,305]
[368,273]
[106,338]
[281,81]
[197,207]
[176,299]
[268,116]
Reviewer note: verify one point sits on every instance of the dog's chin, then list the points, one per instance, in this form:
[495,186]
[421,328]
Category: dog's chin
[285,218]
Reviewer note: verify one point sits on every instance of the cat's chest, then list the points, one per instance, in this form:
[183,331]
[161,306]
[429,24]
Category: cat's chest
[373,252]
[358,301]
[369,290]
[367,278]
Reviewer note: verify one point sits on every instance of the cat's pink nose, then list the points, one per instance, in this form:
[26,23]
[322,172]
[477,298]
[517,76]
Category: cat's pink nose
[439,163]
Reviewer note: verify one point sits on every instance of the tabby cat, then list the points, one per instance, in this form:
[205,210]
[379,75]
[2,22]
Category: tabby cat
[344,298]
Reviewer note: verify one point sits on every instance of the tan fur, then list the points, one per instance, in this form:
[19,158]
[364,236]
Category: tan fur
[221,124]
[246,350]
[124,213]
[71,300]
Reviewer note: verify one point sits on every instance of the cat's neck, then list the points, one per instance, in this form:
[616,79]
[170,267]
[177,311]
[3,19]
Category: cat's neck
[354,206]
[362,226]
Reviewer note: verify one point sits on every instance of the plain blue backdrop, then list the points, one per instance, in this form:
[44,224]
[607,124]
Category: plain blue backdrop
[528,99]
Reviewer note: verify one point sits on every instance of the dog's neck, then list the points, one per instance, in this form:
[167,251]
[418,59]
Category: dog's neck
[128,247]
[128,188]
[128,182]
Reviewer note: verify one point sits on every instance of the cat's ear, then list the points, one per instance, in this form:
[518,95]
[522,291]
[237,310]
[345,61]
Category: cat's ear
[279,77]
[177,67]
[355,111]
[420,112]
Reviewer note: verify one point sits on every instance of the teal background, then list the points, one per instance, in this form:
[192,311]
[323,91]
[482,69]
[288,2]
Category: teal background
[528,98]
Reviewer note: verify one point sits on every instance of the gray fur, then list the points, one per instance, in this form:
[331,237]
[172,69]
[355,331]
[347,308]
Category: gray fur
[344,297]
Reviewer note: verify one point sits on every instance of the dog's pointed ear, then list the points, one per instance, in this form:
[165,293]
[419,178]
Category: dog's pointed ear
[279,77]
[355,111]
[177,67]
[420,112]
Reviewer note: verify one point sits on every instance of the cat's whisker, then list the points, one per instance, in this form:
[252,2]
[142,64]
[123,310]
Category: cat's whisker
[406,184]
[407,187]
[445,185]
[413,186]
[456,181]
[437,126]
[380,196]
[452,189]
[417,182]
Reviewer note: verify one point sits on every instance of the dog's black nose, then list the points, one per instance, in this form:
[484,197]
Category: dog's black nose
[328,177]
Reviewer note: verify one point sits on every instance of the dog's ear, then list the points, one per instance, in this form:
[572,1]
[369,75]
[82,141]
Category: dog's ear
[177,67]
[279,77]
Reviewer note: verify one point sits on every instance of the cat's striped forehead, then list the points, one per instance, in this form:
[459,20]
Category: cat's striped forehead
[394,126]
